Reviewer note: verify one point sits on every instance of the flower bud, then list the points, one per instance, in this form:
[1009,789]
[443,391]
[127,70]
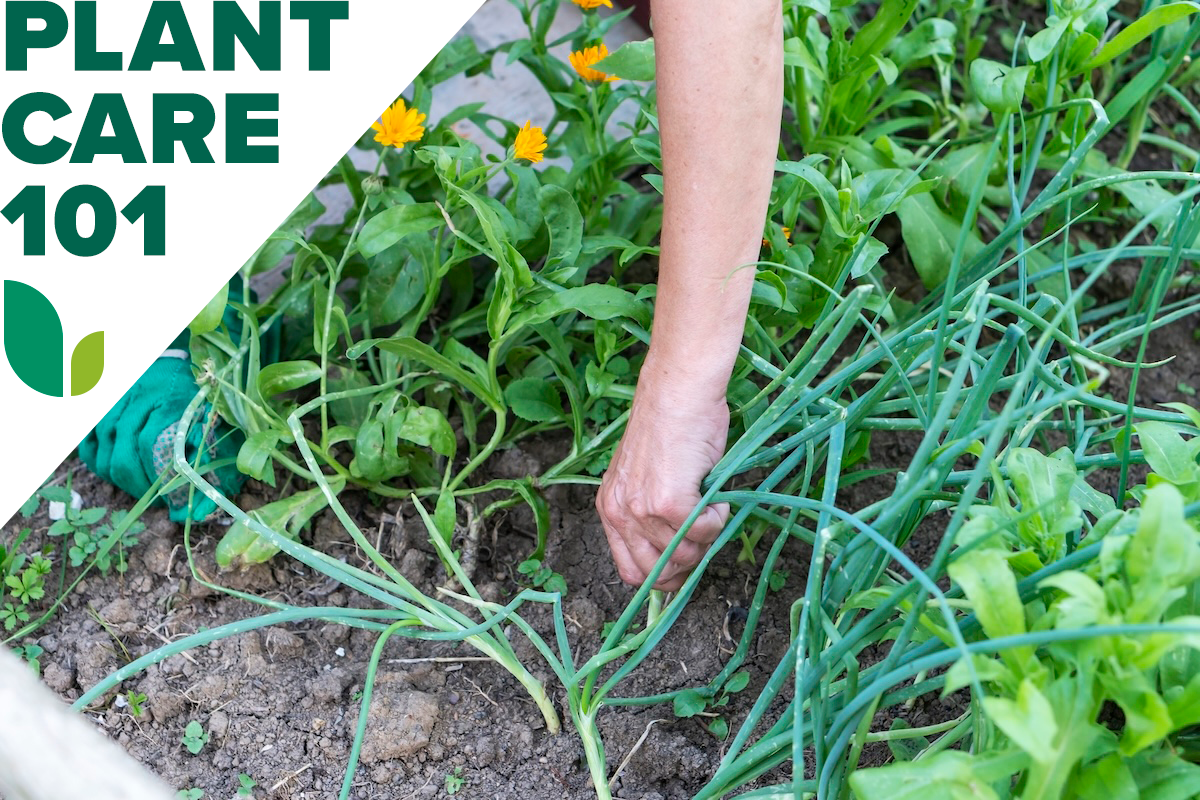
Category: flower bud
[372,186]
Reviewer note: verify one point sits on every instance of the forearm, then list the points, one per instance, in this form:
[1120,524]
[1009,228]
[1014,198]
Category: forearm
[720,88]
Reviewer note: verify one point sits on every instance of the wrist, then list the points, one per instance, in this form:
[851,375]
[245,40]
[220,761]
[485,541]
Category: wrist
[673,379]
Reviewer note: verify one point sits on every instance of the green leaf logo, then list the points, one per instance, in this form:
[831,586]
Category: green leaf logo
[33,343]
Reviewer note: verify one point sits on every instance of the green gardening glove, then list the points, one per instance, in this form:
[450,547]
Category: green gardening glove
[135,441]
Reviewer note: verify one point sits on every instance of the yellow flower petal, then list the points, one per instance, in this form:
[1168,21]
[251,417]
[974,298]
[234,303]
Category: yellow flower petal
[530,143]
[399,125]
[587,5]
[584,60]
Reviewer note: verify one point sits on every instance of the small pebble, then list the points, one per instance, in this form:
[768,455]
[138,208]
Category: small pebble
[58,510]
[340,652]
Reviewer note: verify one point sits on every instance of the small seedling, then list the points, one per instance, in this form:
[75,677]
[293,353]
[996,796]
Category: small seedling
[22,579]
[86,535]
[777,580]
[194,737]
[31,653]
[455,781]
[247,784]
[542,577]
[189,794]
[136,701]
[719,728]
[691,703]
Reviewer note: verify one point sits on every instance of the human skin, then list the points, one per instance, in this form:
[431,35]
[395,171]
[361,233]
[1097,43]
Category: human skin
[720,96]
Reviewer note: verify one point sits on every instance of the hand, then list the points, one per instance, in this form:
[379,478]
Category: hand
[672,441]
[134,443]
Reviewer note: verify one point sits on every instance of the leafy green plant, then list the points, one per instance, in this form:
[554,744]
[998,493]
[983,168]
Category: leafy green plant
[85,535]
[542,577]
[454,781]
[194,737]
[246,785]
[32,654]
[137,702]
[190,794]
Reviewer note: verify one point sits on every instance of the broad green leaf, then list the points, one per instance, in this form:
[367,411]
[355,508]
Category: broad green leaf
[885,23]
[210,316]
[444,515]
[564,224]
[598,301]
[1162,775]
[1029,721]
[392,224]
[633,61]
[351,411]
[285,376]
[1163,552]
[1147,719]
[396,284]
[999,87]
[1109,777]
[428,427]
[254,456]
[989,583]
[868,257]
[534,399]
[689,703]
[285,517]
[737,682]
[1166,452]
[931,235]
[1043,485]
[948,775]
[1042,43]
[825,190]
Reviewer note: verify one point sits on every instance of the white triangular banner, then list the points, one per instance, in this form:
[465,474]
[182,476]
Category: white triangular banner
[216,214]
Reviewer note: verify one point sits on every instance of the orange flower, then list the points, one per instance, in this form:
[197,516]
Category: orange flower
[530,143]
[588,5]
[583,61]
[399,125]
[787,234]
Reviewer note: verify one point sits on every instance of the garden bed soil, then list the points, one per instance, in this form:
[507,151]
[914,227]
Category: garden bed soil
[280,704]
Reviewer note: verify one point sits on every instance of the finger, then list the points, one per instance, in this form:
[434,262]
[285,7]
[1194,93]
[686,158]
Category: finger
[646,556]
[674,584]
[708,525]
[627,567]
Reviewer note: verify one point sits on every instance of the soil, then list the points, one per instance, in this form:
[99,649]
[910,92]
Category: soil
[280,704]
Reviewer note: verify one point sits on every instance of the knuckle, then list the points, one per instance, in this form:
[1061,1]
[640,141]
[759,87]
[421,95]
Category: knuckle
[629,575]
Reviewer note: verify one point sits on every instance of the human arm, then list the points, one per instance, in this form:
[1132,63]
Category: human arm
[720,90]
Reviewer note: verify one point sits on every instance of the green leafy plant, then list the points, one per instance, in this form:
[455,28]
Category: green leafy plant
[137,702]
[86,536]
[246,785]
[455,781]
[190,794]
[194,737]
[542,577]
[32,654]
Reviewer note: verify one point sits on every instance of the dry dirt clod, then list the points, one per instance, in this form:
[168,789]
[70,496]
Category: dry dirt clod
[400,724]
